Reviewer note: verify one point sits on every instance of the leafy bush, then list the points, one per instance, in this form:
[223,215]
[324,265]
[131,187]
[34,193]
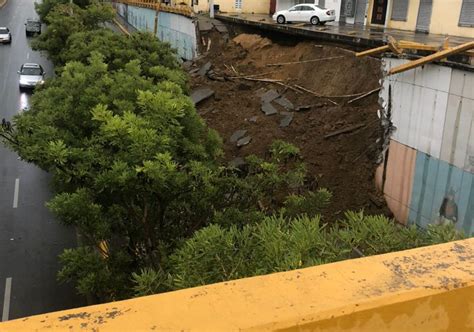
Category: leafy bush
[216,254]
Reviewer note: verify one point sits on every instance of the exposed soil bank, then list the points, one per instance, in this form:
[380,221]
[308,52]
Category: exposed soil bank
[345,163]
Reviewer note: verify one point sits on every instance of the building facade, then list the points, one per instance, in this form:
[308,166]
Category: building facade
[449,17]
[232,6]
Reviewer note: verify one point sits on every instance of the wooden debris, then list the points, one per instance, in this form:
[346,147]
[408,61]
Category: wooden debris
[315,94]
[406,44]
[364,95]
[344,131]
[373,51]
[267,80]
[304,61]
[233,69]
[430,58]
[445,44]
[256,75]
[393,45]
[121,27]
[288,87]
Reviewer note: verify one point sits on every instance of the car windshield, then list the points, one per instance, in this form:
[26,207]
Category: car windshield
[31,71]
[3,31]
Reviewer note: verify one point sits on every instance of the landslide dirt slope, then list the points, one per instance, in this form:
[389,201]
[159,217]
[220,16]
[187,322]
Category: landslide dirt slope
[345,164]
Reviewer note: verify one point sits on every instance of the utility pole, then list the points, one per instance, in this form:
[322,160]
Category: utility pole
[211,8]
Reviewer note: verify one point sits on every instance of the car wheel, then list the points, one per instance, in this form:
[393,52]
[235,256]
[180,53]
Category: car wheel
[281,19]
[314,20]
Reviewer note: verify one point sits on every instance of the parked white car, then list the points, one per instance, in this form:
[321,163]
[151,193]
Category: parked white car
[305,13]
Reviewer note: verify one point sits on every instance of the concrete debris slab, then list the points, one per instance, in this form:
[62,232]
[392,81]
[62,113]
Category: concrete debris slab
[237,162]
[286,120]
[268,109]
[220,27]
[187,65]
[285,103]
[205,68]
[253,119]
[205,26]
[201,94]
[269,96]
[244,141]
[238,135]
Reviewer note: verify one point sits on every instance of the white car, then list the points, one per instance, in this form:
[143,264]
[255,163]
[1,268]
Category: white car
[5,35]
[31,75]
[305,13]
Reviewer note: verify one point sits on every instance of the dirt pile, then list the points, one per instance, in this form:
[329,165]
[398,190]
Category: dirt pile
[339,141]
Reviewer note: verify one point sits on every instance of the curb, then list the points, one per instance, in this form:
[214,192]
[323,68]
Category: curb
[3,3]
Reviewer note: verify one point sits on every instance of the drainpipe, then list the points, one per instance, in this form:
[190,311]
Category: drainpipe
[211,8]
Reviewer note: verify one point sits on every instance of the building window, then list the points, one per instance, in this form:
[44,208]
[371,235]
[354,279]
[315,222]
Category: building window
[400,10]
[466,19]
[238,4]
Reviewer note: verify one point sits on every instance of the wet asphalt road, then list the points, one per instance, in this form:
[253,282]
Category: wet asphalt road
[30,238]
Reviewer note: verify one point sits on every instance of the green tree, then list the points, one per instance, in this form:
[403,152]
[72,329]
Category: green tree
[118,50]
[122,149]
[44,7]
[64,20]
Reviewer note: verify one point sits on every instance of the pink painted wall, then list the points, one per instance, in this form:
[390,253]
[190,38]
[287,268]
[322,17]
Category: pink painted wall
[399,179]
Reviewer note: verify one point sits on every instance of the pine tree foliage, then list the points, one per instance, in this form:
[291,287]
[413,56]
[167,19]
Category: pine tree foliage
[216,254]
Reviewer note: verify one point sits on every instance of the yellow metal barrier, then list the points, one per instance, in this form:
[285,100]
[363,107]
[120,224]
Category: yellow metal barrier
[425,289]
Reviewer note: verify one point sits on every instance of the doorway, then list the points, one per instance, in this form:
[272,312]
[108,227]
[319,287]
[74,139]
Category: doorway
[424,16]
[379,12]
[273,4]
[360,9]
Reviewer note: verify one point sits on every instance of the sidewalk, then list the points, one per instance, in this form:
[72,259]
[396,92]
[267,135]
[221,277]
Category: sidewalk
[356,35]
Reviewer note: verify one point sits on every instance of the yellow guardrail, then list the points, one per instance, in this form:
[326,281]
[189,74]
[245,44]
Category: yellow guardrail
[424,289]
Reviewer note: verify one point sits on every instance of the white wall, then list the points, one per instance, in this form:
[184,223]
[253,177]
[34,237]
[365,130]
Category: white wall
[433,111]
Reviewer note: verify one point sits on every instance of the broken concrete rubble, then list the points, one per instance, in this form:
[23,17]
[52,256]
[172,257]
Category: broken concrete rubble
[201,94]
[204,26]
[238,135]
[282,101]
[204,69]
[268,109]
[286,119]
[244,141]
[269,96]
